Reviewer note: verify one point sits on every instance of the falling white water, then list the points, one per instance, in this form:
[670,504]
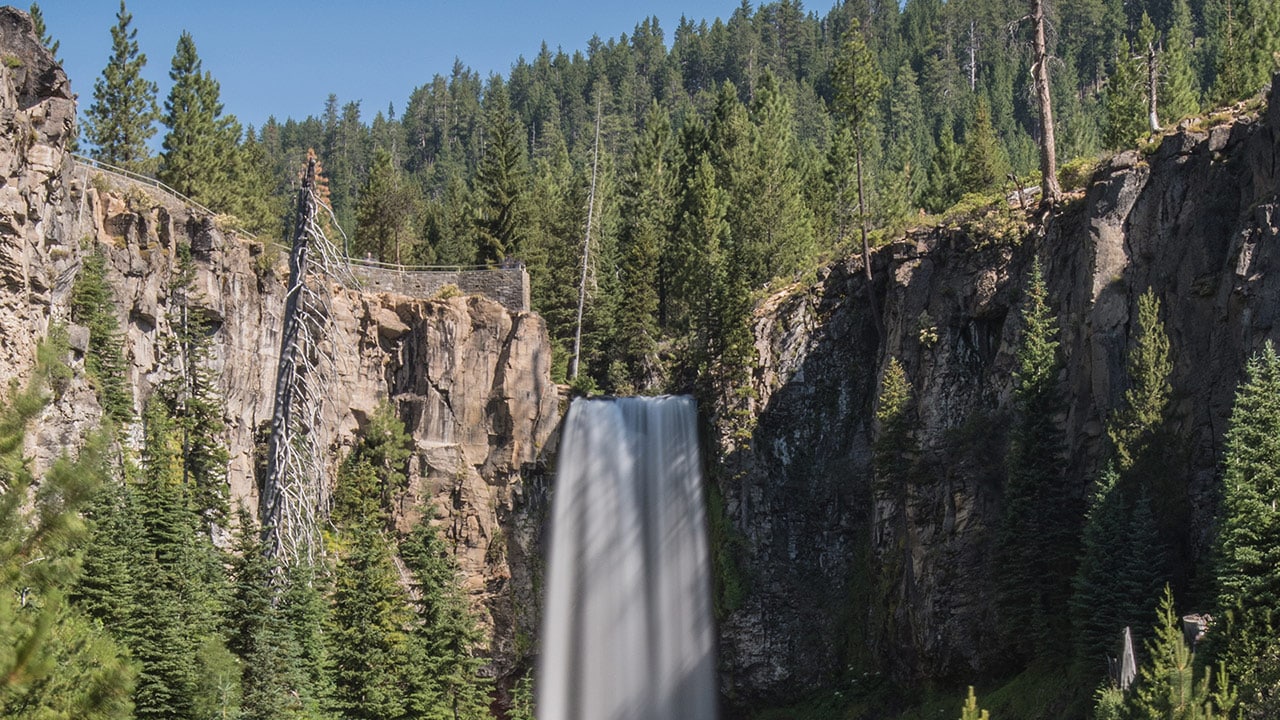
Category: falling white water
[627,628]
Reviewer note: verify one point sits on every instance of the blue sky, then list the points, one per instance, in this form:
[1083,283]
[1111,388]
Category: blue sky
[284,58]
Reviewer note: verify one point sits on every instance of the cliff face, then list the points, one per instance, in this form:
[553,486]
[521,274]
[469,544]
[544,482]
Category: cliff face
[36,116]
[470,378]
[839,577]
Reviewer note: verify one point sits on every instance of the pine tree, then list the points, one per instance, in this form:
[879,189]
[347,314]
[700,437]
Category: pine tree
[105,588]
[648,193]
[501,178]
[446,678]
[908,141]
[374,471]
[304,610]
[858,85]
[771,221]
[1248,47]
[251,601]
[54,661]
[522,699]
[1120,571]
[385,211]
[200,147]
[985,164]
[121,119]
[1147,398]
[274,687]
[252,202]
[193,398]
[893,446]
[942,186]
[1179,93]
[93,305]
[1125,119]
[1248,542]
[345,157]
[1264,49]
[1037,547]
[970,709]
[718,298]
[178,591]
[450,225]
[554,245]
[894,454]
[1169,689]
[367,641]
[42,32]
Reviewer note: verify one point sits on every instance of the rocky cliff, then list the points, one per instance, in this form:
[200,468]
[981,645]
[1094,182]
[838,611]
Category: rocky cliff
[470,378]
[837,580]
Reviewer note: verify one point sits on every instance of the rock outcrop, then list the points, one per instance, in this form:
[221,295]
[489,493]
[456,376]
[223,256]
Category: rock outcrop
[470,378]
[838,577]
[37,256]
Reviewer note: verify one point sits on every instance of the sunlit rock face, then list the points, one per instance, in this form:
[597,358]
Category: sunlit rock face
[839,581]
[470,378]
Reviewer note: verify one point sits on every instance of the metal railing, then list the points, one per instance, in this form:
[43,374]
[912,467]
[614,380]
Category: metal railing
[91,164]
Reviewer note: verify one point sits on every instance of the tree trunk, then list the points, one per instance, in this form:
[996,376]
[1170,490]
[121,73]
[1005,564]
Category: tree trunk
[1152,73]
[866,244]
[271,504]
[586,252]
[1049,189]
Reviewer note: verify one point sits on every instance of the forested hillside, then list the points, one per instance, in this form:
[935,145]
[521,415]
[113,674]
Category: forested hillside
[728,150]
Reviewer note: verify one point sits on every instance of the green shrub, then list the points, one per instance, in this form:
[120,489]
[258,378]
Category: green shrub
[1077,174]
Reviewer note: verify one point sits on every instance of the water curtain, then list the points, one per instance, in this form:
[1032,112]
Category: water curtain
[627,627]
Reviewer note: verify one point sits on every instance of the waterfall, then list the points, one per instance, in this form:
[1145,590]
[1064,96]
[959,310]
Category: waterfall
[627,627]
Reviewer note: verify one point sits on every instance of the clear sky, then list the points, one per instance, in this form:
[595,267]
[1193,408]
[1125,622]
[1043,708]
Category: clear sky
[284,58]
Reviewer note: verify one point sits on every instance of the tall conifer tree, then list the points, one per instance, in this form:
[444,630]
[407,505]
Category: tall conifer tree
[201,145]
[501,178]
[385,211]
[1120,572]
[858,86]
[445,676]
[122,117]
[1179,93]
[93,305]
[1169,688]
[1037,538]
[1248,569]
[772,222]
[1123,104]
[985,162]
[1146,400]
[648,193]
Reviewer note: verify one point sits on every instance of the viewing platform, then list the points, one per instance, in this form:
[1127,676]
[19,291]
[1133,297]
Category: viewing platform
[507,284]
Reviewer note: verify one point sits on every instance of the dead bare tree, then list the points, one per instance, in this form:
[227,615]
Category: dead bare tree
[1050,191]
[295,491]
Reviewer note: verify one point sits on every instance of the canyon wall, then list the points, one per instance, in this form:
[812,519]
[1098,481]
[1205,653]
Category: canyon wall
[833,579]
[470,377]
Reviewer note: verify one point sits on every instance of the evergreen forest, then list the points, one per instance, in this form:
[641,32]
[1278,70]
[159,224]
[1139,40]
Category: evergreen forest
[712,159]
[674,178]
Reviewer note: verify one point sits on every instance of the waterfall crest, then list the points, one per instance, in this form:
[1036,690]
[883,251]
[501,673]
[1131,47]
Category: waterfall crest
[627,626]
